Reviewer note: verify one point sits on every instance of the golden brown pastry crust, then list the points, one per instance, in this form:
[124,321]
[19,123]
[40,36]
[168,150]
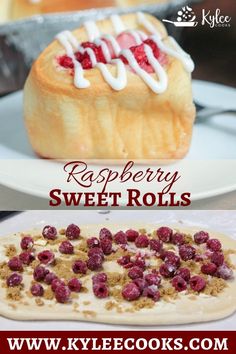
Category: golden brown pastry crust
[100,123]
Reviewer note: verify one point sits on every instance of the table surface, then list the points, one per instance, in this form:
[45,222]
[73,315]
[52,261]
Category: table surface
[221,221]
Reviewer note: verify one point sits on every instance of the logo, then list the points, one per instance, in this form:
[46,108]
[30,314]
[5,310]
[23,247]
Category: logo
[216,19]
[186,18]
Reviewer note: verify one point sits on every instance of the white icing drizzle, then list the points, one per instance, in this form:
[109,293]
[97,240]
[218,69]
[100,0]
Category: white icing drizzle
[115,45]
[105,49]
[68,41]
[119,82]
[142,20]
[117,23]
[136,36]
[182,55]
[177,52]
[143,35]
[92,30]
[156,86]
[91,54]
[65,38]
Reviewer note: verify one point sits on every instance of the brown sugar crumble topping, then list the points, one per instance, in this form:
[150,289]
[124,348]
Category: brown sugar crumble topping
[145,267]
[11,251]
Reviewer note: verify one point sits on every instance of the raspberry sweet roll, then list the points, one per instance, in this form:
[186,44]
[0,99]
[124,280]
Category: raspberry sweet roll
[119,88]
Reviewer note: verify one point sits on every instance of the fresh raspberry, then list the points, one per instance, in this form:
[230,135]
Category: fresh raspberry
[198,257]
[79,56]
[56,283]
[141,283]
[131,292]
[217,258]
[184,273]
[15,264]
[164,253]
[89,45]
[214,244]
[99,278]
[158,54]
[152,279]
[72,232]
[100,56]
[156,245]
[197,283]
[167,270]
[79,266]
[139,262]
[125,61]
[66,247]
[74,285]
[141,57]
[151,293]
[224,272]
[209,268]
[178,239]
[142,241]
[155,49]
[49,278]
[120,238]
[126,40]
[62,294]
[131,235]
[129,265]
[26,257]
[201,237]
[37,290]
[97,51]
[93,242]
[179,283]
[172,258]
[96,251]
[187,252]
[139,53]
[40,273]
[135,272]
[14,280]
[94,262]
[164,233]
[100,290]
[66,62]
[46,257]
[49,232]
[27,243]
[124,260]
[106,245]
[105,233]
[86,62]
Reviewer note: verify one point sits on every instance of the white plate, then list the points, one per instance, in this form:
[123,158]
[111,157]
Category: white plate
[221,221]
[208,170]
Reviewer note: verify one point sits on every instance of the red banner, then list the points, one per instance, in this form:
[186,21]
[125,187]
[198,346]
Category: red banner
[120,341]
